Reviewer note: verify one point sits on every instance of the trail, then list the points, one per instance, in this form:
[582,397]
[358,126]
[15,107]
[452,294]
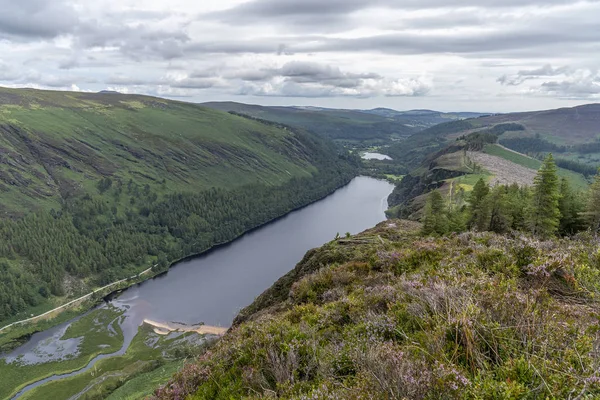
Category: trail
[82,298]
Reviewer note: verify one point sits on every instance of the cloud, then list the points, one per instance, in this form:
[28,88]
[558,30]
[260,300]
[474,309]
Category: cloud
[309,79]
[526,75]
[318,12]
[583,84]
[36,18]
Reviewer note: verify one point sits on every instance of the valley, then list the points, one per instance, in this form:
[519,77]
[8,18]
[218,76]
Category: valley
[210,289]
[185,215]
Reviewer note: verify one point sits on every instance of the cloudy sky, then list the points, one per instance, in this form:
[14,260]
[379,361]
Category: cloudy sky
[467,55]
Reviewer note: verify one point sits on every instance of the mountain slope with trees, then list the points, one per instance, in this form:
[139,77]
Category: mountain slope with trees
[97,187]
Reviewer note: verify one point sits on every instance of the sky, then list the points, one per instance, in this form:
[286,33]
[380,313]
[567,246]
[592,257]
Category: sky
[461,55]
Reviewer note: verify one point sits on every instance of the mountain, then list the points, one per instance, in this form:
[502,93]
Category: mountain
[96,187]
[56,145]
[423,119]
[392,314]
[570,133]
[377,126]
[339,125]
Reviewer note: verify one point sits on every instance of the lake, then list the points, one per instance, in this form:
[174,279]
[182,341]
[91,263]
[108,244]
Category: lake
[212,288]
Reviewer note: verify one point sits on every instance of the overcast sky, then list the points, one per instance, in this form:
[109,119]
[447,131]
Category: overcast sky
[461,55]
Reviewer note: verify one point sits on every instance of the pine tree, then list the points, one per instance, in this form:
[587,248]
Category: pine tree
[479,206]
[544,213]
[435,220]
[570,210]
[593,206]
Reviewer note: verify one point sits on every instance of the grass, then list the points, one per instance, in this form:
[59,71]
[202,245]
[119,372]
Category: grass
[149,359]
[97,339]
[467,182]
[391,314]
[144,385]
[576,180]
[69,141]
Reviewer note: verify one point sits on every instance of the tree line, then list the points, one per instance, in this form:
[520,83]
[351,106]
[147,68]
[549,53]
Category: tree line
[547,209]
[99,241]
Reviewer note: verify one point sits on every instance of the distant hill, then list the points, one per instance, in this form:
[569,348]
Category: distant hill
[423,118]
[379,124]
[339,125]
[572,134]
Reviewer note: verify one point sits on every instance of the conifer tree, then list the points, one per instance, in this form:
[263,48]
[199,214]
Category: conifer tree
[544,213]
[479,206]
[570,210]
[593,205]
[435,220]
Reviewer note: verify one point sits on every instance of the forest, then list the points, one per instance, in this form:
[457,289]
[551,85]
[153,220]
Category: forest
[548,209]
[97,243]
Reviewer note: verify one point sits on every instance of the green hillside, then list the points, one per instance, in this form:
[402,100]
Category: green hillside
[390,314]
[55,145]
[98,187]
[571,134]
[340,125]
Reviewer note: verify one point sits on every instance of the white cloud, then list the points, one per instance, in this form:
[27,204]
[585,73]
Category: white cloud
[344,53]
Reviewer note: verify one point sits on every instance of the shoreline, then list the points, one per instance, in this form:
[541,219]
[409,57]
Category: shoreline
[65,307]
[164,328]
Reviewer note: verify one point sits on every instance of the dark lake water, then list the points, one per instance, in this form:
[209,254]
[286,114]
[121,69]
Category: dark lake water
[214,287]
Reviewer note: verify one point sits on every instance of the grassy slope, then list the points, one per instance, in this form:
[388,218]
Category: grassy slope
[56,144]
[562,126]
[577,181]
[390,314]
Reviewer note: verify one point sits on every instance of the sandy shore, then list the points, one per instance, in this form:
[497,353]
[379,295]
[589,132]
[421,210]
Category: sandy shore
[163,328]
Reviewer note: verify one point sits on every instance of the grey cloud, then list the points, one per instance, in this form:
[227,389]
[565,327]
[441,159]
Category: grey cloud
[311,12]
[36,18]
[123,80]
[525,75]
[582,84]
[193,83]
[307,79]
[519,42]
[139,42]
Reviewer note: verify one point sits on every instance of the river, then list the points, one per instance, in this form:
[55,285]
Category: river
[212,288]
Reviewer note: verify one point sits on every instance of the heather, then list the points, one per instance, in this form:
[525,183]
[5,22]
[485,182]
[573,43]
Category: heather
[392,314]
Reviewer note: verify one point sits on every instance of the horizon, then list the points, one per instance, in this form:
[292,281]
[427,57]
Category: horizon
[294,105]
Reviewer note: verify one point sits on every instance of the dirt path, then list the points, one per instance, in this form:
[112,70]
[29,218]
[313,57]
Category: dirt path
[73,302]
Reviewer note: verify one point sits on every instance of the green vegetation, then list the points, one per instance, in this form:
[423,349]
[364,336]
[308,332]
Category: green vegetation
[100,333]
[593,211]
[142,386]
[391,314]
[543,214]
[548,208]
[149,357]
[103,186]
[345,126]
[576,179]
